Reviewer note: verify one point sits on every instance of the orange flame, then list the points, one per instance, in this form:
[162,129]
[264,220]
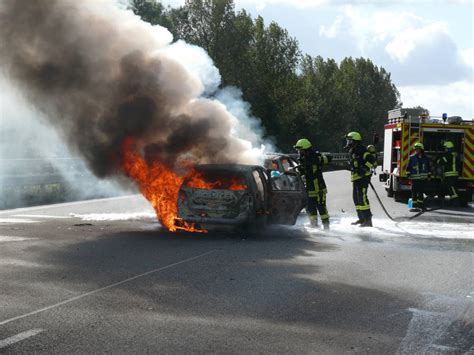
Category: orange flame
[196,181]
[158,184]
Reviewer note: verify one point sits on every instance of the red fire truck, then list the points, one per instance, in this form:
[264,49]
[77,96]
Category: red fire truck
[404,128]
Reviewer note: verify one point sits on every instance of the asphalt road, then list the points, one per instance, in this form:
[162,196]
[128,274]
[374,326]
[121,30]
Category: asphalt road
[108,279]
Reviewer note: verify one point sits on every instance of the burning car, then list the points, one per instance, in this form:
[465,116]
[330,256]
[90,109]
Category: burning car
[237,196]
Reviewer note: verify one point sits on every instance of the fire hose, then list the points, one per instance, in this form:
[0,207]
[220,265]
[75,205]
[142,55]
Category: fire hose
[381,203]
[401,218]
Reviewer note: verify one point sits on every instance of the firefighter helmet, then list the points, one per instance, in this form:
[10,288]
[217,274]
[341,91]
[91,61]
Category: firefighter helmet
[355,136]
[419,146]
[371,148]
[448,145]
[302,143]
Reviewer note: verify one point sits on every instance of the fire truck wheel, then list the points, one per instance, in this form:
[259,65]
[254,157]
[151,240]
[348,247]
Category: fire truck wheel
[390,189]
[464,199]
[400,197]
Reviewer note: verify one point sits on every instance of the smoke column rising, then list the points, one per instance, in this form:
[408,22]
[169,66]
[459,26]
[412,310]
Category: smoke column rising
[100,75]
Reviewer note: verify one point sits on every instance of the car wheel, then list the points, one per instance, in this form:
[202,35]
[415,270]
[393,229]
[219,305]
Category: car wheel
[256,224]
[261,222]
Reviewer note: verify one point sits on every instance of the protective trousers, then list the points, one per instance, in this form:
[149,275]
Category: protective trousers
[359,195]
[417,192]
[450,183]
[318,203]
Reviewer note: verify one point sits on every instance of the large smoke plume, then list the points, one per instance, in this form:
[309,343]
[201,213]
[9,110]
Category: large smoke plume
[99,75]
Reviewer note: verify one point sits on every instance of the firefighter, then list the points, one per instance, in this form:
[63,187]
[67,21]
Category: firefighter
[361,163]
[419,172]
[310,166]
[449,163]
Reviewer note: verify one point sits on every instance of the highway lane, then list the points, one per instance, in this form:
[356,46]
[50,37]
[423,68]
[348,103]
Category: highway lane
[102,276]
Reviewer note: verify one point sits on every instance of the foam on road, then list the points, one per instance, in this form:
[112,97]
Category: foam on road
[383,228]
[133,216]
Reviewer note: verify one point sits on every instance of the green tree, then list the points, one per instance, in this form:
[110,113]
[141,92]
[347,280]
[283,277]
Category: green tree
[294,96]
[273,89]
[151,11]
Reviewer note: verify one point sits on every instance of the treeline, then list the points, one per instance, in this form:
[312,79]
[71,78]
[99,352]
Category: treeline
[294,95]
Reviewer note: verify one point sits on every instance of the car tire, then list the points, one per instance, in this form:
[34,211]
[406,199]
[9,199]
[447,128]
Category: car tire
[256,224]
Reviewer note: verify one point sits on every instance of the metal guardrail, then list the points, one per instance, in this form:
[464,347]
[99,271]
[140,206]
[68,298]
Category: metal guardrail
[38,171]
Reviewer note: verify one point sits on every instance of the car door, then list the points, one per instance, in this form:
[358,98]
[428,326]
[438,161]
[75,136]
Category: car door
[286,203]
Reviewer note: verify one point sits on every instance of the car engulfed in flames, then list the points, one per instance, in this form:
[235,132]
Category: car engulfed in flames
[233,196]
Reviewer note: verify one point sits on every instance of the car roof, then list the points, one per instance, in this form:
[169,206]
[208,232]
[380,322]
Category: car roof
[228,167]
[275,155]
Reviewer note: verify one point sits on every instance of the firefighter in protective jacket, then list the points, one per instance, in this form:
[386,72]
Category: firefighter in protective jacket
[449,163]
[311,164]
[419,171]
[361,163]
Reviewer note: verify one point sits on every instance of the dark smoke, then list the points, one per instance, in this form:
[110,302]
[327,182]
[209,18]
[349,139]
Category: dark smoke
[97,74]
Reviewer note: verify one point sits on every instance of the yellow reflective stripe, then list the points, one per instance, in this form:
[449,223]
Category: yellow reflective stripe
[312,193]
[364,208]
[451,173]
[325,159]
[470,133]
[454,194]
[364,198]
[471,166]
[369,164]
[324,216]
[403,150]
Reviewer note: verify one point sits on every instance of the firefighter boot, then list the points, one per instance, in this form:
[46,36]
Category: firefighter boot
[367,219]
[326,225]
[313,221]
[360,220]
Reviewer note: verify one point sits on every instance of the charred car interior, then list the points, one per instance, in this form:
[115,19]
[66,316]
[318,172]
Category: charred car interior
[233,196]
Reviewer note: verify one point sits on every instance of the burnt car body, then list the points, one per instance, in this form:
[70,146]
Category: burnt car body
[255,202]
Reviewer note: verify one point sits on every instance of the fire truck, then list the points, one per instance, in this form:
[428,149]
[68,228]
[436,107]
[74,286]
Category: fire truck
[404,128]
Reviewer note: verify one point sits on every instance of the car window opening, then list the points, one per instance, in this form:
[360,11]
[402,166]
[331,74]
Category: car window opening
[220,180]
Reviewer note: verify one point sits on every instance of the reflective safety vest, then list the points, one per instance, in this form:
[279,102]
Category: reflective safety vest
[361,162]
[449,162]
[418,167]
[311,166]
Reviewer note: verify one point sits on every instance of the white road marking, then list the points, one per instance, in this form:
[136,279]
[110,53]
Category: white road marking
[19,337]
[5,238]
[40,216]
[6,321]
[430,327]
[60,205]
[16,220]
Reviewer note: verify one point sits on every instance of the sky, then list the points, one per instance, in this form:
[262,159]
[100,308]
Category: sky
[427,46]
